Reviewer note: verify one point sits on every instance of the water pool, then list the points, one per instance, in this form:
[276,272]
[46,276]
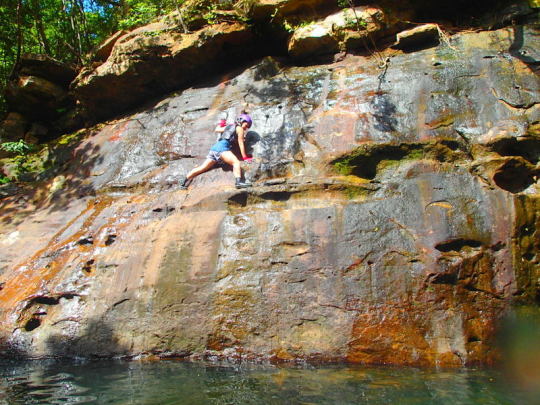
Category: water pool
[176,382]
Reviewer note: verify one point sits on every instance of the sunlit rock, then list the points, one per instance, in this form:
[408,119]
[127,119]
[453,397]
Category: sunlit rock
[393,217]
[344,30]
[155,59]
[105,49]
[423,35]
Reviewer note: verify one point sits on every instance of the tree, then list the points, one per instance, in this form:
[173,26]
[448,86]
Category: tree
[66,30]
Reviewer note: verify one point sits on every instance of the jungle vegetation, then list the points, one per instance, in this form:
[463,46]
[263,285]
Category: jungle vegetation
[67,30]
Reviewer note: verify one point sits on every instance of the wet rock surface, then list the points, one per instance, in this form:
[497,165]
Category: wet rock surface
[393,217]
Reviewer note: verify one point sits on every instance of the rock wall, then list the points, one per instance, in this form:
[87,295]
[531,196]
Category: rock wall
[393,217]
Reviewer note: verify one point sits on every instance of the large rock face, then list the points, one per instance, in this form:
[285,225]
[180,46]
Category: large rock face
[156,59]
[393,218]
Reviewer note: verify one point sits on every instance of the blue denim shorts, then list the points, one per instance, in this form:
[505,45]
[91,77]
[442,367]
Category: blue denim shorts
[215,156]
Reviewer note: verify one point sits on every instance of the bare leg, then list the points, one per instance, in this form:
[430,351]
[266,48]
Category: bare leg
[207,165]
[230,158]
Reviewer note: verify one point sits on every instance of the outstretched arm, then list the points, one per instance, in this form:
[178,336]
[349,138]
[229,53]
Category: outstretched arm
[241,134]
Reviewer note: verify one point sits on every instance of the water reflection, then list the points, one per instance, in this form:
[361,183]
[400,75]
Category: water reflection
[171,382]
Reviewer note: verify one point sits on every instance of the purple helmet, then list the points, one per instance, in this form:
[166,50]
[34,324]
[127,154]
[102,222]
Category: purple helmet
[244,118]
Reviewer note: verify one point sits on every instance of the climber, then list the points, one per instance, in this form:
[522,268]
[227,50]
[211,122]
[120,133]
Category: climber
[221,152]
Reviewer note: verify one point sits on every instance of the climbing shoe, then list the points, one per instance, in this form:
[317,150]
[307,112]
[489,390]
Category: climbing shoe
[242,183]
[183,183]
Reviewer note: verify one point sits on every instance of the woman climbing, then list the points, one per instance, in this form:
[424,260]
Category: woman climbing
[221,152]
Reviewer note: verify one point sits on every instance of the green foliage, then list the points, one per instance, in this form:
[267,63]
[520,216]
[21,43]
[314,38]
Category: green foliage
[140,12]
[352,21]
[290,27]
[68,30]
[211,16]
[20,147]
[23,162]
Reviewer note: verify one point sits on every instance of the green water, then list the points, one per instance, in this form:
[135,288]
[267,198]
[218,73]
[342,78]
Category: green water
[175,382]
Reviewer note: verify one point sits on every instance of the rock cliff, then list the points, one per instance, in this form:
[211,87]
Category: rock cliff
[393,218]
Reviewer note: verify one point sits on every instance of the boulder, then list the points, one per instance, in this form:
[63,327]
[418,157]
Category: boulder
[312,40]
[157,59]
[345,30]
[38,90]
[104,50]
[13,127]
[421,36]
[47,68]
[36,98]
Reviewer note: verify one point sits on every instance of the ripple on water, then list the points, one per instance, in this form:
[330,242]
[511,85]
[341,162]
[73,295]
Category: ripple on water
[172,382]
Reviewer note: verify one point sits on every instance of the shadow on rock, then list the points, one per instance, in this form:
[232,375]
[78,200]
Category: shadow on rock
[252,138]
[528,55]
[67,179]
[98,340]
[77,178]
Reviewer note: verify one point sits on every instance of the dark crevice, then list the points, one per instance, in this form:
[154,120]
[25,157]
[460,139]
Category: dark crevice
[89,266]
[498,246]
[528,149]
[514,176]
[472,288]
[457,245]
[366,162]
[89,240]
[110,240]
[469,13]
[239,199]
[50,300]
[45,300]
[35,320]
[527,230]
[277,195]
[120,302]
[427,40]
[32,324]
[453,145]
[443,278]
